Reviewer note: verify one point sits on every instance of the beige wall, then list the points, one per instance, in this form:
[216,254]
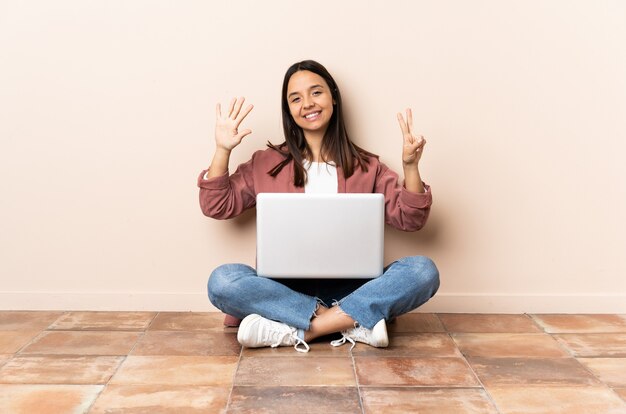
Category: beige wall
[106,117]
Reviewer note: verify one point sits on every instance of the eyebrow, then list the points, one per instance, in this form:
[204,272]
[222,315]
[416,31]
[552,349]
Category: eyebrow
[312,87]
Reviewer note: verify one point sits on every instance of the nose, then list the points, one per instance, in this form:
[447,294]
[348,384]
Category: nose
[308,102]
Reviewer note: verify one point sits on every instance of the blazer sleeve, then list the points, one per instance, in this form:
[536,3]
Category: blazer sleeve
[404,210]
[225,196]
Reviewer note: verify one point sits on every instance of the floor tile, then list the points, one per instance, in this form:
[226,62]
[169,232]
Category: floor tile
[318,349]
[434,372]
[47,399]
[27,320]
[594,345]
[416,322]
[488,323]
[4,359]
[156,399]
[426,401]
[59,370]
[188,321]
[531,371]
[612,371]
[408,344]
[187,362]
[556,400]
[13,341]
[295,371]
[509,345]
[176,370]
[187,343]
[104,321]
[83,343]
[270,400]
[558,323]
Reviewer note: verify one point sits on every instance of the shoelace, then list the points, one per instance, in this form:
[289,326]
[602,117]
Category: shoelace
[291,333]
[339,342]
[301,342]
[358,333]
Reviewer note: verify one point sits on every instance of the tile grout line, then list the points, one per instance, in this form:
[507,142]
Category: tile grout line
[572,354]
[590,371]
[568,352]
[445,329]
[143,332]
[356,380]
[615,392]
[29,343]
[124,358]
[482,386]
[232,386]
[536,322]
[156,314]
[38,336]
[2,364]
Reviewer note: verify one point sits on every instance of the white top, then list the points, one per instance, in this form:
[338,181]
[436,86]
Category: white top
[321,178]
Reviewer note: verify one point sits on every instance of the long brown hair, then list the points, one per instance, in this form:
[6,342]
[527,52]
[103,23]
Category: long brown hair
[336,144]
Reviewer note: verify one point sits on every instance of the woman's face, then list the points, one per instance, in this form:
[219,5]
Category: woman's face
[310,101]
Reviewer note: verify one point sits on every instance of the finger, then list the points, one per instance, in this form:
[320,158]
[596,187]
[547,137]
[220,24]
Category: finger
[411,148]
[218,111]
[409,117]
[403,126]
[231,106]
[242,134]
[238,106]
[243,114]
[421,141]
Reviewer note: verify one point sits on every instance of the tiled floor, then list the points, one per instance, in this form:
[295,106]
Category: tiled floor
[142,362]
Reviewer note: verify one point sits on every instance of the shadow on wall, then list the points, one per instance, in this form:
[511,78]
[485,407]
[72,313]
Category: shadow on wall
[403,243]
[246,221]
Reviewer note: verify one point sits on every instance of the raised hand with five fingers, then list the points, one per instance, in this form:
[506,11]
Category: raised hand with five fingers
[413,144]
[227,133]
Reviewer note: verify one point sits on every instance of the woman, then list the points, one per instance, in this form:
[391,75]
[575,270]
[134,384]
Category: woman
[317,156]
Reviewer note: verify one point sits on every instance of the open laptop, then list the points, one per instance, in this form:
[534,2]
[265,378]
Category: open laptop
[320,235]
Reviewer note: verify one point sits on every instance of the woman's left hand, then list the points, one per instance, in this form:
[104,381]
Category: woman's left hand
[413,144]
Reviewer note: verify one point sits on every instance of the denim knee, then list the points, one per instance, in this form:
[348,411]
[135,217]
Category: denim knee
[425,273]
[220,285]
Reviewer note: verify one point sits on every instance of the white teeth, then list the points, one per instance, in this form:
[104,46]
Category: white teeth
[314,114]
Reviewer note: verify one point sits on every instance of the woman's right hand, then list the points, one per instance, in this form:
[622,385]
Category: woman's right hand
[227,134]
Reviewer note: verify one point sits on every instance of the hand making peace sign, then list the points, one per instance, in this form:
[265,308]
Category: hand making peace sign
[413,144]
[227,134]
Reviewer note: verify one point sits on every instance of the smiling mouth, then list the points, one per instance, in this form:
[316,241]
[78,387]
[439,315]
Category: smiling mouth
[313,115]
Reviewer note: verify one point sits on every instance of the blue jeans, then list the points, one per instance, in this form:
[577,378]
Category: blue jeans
[405,284]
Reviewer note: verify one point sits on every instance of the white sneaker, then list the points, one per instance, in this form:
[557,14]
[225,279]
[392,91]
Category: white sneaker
[377,336]
[256,331]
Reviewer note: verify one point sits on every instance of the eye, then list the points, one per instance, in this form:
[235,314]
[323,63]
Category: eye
[294,100]
[316,93]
